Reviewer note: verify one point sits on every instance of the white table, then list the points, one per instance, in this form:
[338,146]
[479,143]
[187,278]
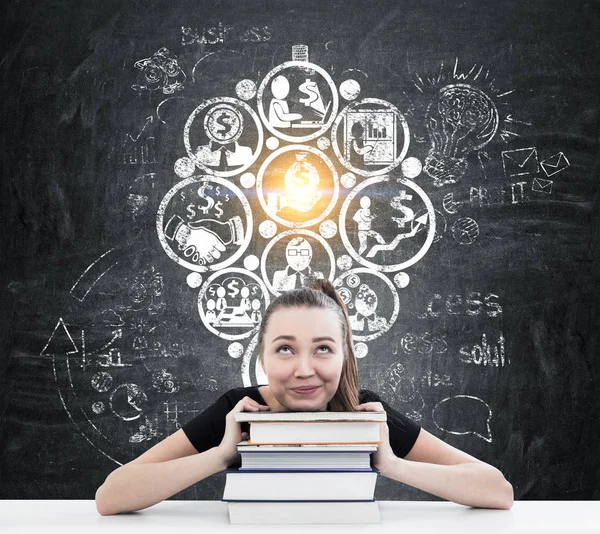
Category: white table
[70,516]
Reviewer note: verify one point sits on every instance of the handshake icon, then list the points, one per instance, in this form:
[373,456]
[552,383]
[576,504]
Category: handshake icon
[203,241]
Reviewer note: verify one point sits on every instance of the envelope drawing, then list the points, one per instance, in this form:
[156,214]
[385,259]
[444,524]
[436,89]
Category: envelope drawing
[555,164]
[520,161]
[540,185]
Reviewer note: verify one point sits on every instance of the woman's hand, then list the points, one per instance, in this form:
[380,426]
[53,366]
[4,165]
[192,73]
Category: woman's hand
[233,430]
[384,455]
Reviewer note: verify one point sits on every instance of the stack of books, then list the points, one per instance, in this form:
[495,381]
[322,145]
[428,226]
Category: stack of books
[305,467]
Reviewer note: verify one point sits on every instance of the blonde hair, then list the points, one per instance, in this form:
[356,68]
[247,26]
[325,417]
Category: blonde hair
[322,294]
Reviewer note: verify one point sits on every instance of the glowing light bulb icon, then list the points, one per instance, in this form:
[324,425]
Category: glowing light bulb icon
[302,181]
[460,120]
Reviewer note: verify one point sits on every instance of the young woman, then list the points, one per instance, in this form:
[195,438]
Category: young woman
[307,353]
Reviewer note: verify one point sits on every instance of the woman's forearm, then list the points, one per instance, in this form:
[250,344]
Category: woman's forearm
[137,486]
[472,484]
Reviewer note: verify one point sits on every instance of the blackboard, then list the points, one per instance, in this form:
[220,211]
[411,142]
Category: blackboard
[443,173]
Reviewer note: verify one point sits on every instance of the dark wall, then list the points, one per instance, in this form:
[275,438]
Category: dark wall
[489,340]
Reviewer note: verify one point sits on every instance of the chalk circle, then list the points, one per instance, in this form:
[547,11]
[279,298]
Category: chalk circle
[344,262]
[235,349]
[449,205]
[213,128]
[251,262]
[219,279]
[272,143]
[401,280]
[349,89]
[465,230]
[328,229]
[323,143]
[98,407]
[247,180]
[411,167]
[361,350]
[192,183]
[298,67]
[194,280]
[288,236]
[348,180]
[184,167]
[102,381]
[386,267]
[245,89]
[400,136]
[353,281]
[266,194]
[267,229]
[205,115]
[346,295]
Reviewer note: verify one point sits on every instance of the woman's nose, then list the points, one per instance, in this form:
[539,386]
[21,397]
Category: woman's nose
[304,366]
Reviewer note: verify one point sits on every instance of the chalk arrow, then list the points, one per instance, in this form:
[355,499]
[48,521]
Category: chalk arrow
[60,341]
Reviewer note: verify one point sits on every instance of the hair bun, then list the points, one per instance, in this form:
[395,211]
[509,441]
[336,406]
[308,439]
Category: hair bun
[325,286]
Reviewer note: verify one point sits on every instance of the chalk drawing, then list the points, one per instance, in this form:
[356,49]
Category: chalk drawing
[231,303]
[189,228]
[299,254]
[409,198]
[214,147]
[462,415]
[460,120]
[161,71]
[310,187]
[372,301]
[555,164]
[305,87]
[370,137]
[520,162]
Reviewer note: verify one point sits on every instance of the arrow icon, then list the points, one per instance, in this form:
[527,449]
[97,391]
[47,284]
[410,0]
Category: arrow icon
[59,337]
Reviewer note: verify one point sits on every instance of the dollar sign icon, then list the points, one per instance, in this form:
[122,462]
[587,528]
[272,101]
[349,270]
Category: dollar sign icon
[233,290]
[408,214]
[218,210]
[310,89]
[313,96]
[223,120]
[203,195]
[223,124]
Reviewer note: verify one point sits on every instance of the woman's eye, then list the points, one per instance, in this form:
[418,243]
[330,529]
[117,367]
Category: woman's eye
[283,347]
[325,347]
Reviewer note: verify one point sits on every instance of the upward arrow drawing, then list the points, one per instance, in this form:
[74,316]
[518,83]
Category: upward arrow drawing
[60,341]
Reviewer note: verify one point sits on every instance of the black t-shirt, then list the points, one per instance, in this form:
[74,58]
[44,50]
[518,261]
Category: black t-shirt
[207,429]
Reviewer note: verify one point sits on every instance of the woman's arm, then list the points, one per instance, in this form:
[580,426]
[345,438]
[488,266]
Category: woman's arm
[169,467]
[440,469]
[471,483]
[153,477]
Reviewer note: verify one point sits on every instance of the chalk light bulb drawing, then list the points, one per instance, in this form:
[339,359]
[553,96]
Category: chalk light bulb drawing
[460,120]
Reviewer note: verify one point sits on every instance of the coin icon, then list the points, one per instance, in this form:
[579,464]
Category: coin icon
[223,124]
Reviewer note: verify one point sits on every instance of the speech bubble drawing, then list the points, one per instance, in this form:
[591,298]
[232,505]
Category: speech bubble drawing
[462,415]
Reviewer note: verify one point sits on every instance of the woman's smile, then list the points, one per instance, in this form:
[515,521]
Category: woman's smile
[305,390]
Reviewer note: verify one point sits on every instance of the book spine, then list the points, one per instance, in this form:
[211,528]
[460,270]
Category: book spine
[296,470]
[250,442]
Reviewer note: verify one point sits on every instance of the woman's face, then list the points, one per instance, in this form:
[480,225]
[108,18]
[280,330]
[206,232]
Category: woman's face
[303,348]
